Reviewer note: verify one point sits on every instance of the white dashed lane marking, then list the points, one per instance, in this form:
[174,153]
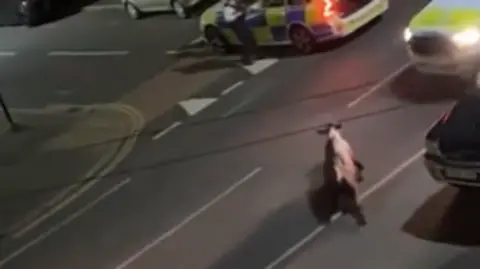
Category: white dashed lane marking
[74,53]
[167,130]
[232,88]
[7,53]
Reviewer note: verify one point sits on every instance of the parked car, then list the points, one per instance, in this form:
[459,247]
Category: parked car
[453,145]
[137,8]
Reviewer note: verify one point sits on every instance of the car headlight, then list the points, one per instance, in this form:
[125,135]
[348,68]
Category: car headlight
[407,34]
[431,147]
[467,37]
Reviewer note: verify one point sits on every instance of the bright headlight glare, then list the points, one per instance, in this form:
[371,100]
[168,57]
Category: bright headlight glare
[431,147]
[407,34]
[467,37]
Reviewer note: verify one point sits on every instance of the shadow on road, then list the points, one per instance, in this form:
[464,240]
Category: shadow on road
[417,88]
[207,65]
[467,260]
[320,193]
[449,216]
[277,232]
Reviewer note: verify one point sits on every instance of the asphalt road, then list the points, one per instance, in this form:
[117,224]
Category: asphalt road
[95,56]
[231,186]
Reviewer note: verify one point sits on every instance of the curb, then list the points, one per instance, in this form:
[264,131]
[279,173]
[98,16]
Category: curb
[101,168]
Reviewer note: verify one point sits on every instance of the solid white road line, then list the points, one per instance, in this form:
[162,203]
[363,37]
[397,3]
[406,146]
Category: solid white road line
[7,53]
[64,223]
[89,53]
[292,250]
[188,219]
[231,88]
[167,130]
[379,85]
[103,7]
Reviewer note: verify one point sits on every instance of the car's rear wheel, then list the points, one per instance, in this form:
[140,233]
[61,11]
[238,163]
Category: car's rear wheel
[216,39]
[180,10]
[302,39]
[132,11]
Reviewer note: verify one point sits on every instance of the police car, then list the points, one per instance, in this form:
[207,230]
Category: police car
[444,38]
[453,144]
[302,23]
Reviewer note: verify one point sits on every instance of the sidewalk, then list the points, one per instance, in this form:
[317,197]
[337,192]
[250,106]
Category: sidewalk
[57,149]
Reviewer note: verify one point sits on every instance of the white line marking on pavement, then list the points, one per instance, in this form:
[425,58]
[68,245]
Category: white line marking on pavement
[64,223]
[379,85]
[103,7]
[231,88]
[167,130]
[188,219]
[259,66]
[7,53]
[195,105]
[367,193]
[90,53]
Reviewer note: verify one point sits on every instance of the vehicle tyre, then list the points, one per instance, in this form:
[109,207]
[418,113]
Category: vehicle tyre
[217,40]
[132,11]
[302,39]
[180,10]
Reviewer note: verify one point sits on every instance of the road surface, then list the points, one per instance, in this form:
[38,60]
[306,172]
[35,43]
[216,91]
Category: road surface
[94,56]
[230,186]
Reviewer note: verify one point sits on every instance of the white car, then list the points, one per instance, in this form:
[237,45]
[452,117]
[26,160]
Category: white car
[136,8]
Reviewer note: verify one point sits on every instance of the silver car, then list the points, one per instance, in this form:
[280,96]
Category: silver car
[136,8]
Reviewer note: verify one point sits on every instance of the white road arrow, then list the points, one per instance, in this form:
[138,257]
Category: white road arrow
[193,106]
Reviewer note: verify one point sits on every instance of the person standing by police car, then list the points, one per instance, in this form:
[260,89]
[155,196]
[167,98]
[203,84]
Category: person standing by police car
[234,13]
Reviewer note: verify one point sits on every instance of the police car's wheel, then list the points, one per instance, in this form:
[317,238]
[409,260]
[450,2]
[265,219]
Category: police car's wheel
[180,10]
[302,39]
[215,38]
[132,11]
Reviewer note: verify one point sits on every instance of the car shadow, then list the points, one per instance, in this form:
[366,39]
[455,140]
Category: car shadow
[207,65]
[450,216]
[417,88]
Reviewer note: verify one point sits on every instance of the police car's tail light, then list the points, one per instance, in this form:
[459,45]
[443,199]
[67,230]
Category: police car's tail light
[467,37]
[329,9]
